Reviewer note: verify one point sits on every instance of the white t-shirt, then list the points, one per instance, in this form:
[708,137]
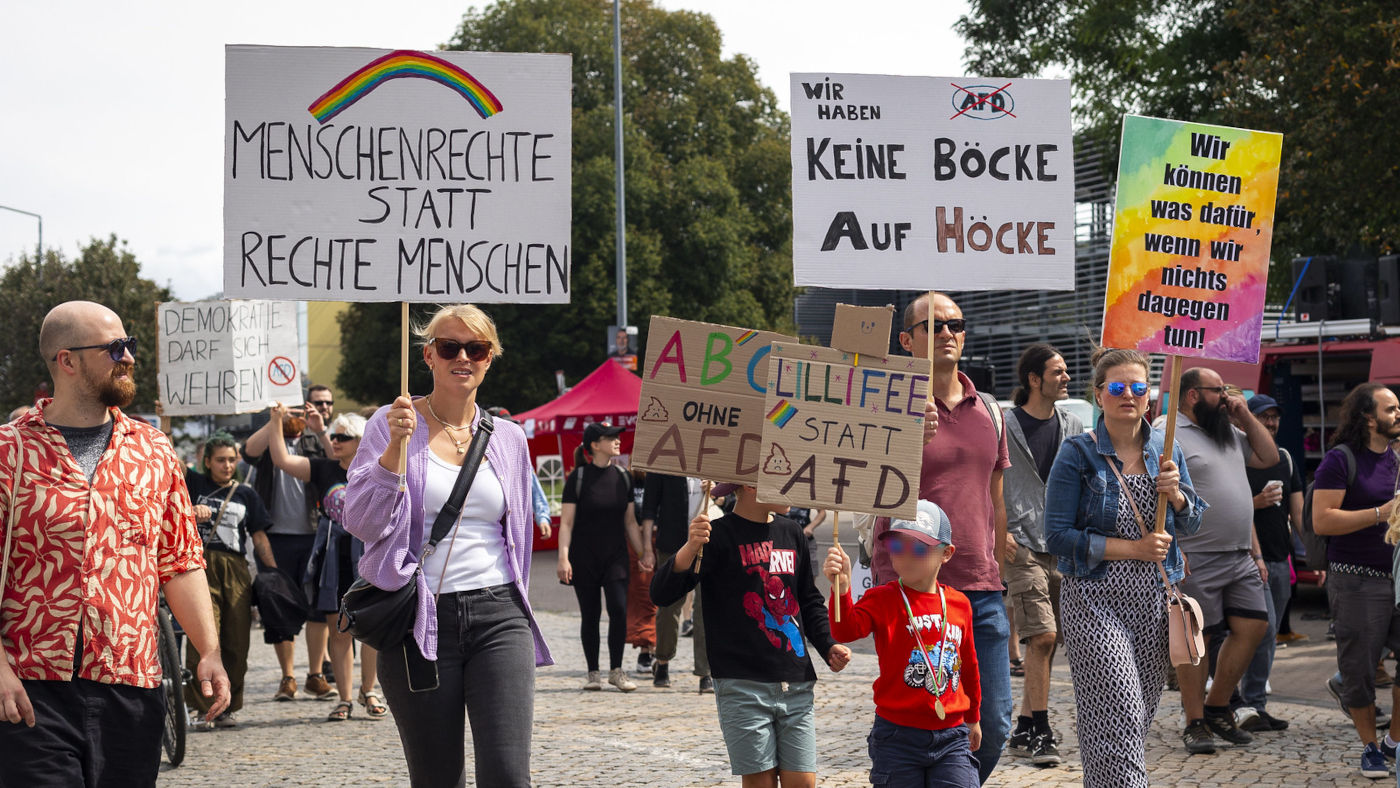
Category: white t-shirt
[477,559]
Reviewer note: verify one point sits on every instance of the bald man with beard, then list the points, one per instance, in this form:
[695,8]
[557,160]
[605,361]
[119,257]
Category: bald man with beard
[97,522]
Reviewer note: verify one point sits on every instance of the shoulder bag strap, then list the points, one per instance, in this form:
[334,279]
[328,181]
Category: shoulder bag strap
[450,510]
[10,517]
[232,488]
[1137,515]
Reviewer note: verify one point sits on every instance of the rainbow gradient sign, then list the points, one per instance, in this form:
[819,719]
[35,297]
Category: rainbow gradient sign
[397,175]
[1191,236]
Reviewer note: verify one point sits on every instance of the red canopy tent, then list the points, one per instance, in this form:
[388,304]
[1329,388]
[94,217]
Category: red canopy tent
[609,393]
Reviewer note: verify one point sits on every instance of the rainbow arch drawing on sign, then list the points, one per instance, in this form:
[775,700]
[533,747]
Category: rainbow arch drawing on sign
[745,337]
[401,64]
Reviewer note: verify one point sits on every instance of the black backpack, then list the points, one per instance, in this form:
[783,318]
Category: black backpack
[1314,544]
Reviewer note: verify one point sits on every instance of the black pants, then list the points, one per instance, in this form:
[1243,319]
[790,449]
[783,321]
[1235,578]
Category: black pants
[85,734]
[486,668]
[615,594]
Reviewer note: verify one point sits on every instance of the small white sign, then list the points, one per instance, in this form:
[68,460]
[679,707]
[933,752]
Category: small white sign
[224,357]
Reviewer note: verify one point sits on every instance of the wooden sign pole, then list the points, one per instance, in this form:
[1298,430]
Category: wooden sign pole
[1167,445]
[699,510]
[403,387]
[836,540]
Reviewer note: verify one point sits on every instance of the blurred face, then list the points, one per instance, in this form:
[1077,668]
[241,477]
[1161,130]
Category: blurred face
[1054,384]
[221,464]
[107,381]
[324,402]
[1386,419]
[913,559]
[344,446]
[606,447]
[622,342]
[1270,419]
[947,344]
[1127,407]
[458,373]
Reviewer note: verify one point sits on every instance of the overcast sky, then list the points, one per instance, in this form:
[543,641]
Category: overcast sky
[113,112]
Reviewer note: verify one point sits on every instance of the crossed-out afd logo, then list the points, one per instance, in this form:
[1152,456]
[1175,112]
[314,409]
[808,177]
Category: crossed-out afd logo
[982,102]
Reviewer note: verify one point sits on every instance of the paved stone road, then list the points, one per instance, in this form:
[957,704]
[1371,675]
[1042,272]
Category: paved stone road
[671,737]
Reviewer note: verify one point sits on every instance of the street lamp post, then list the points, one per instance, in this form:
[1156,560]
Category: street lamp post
[40,257]
[617,144]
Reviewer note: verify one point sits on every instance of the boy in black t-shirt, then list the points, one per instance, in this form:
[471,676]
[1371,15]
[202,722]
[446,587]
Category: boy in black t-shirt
[761,609]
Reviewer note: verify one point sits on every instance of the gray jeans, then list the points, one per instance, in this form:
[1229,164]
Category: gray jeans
[1254,684]
[668,624]
[486,673]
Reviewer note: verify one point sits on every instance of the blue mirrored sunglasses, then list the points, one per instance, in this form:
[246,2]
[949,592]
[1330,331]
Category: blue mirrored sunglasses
[1116,388]
[898,544]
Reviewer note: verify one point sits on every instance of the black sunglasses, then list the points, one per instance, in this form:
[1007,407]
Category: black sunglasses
[477,350]
[957,325]
[116,349]
[324,403]
[340,437]
[1217,389]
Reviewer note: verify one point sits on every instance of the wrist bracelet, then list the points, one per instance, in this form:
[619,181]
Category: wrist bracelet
[1378,514]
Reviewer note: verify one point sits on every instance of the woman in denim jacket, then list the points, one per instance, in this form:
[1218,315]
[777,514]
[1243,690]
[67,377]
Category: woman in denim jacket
[1112,601]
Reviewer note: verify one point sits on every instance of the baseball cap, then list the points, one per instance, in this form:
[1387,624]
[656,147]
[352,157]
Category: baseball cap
[598,431]
[931,526]
[1260,403]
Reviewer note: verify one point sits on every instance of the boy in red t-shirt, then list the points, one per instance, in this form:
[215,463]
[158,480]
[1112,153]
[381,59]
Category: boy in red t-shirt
[927,696]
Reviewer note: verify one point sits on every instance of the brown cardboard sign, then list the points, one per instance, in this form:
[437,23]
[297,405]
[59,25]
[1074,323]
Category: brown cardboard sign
[701,409]
[841,432]
[863,329]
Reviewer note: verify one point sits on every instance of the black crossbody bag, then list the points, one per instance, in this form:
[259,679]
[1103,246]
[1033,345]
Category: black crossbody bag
[382,619]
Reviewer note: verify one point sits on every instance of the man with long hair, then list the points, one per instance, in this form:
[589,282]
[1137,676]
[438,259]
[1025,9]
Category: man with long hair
[1353,496]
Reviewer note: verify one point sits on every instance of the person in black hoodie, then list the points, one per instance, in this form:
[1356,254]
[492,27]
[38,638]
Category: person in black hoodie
[761,609]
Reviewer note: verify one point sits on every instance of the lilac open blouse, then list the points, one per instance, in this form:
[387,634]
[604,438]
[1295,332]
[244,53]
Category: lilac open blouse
[393,529]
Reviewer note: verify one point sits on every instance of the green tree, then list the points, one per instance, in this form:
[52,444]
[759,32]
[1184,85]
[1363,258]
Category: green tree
[1323,74]
[104,271]
[709,224]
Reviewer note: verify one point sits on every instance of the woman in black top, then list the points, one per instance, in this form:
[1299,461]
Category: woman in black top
[597,521]
[335,556]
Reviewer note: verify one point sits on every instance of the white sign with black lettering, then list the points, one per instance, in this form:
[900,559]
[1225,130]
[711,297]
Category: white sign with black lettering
[923,183]
[396,175]
[224,357]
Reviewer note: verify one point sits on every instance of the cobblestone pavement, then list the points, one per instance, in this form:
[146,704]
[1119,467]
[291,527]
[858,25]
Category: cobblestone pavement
[671,737]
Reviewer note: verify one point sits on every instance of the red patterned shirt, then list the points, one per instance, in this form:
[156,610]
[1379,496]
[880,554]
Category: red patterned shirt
[90,558]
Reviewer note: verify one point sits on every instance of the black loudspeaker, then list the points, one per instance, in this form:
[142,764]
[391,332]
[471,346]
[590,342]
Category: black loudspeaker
[1315,299]
[1357,281]
[1388,290]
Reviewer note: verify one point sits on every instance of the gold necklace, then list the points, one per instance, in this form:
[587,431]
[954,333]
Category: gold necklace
[452,429]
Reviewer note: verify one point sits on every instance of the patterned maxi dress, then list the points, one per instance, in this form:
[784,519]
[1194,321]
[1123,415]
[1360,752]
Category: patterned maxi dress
[1115,631]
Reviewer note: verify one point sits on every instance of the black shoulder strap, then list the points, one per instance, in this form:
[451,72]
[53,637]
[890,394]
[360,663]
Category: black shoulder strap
[447,516]
[1351,463]
[994,410]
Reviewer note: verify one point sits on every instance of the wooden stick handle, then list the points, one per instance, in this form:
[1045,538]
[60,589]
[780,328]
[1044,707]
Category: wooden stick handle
[928,329]
[403,383]
[836,540]
[699,510]
[1160,525]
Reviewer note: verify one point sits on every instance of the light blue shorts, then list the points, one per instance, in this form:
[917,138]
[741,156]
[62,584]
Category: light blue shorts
[767,724]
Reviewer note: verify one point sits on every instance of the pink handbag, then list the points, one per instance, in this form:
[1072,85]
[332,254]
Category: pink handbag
[1187,639]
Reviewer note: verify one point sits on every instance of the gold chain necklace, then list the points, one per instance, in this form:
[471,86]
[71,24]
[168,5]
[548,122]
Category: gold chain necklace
[452,429]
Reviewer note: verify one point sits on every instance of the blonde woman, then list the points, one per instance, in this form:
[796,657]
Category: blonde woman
[475,641]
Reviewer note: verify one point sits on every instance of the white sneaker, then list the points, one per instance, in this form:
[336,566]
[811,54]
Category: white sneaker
[1268,688]
[618,678]
[1245,714]
[594,681]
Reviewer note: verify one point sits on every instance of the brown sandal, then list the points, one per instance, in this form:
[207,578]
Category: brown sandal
[374,707]
[341,712]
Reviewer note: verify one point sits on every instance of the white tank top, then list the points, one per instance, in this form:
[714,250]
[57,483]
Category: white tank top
[477,559]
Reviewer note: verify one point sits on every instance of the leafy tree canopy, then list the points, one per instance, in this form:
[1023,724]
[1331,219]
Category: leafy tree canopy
[104,271]
[1326,75]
